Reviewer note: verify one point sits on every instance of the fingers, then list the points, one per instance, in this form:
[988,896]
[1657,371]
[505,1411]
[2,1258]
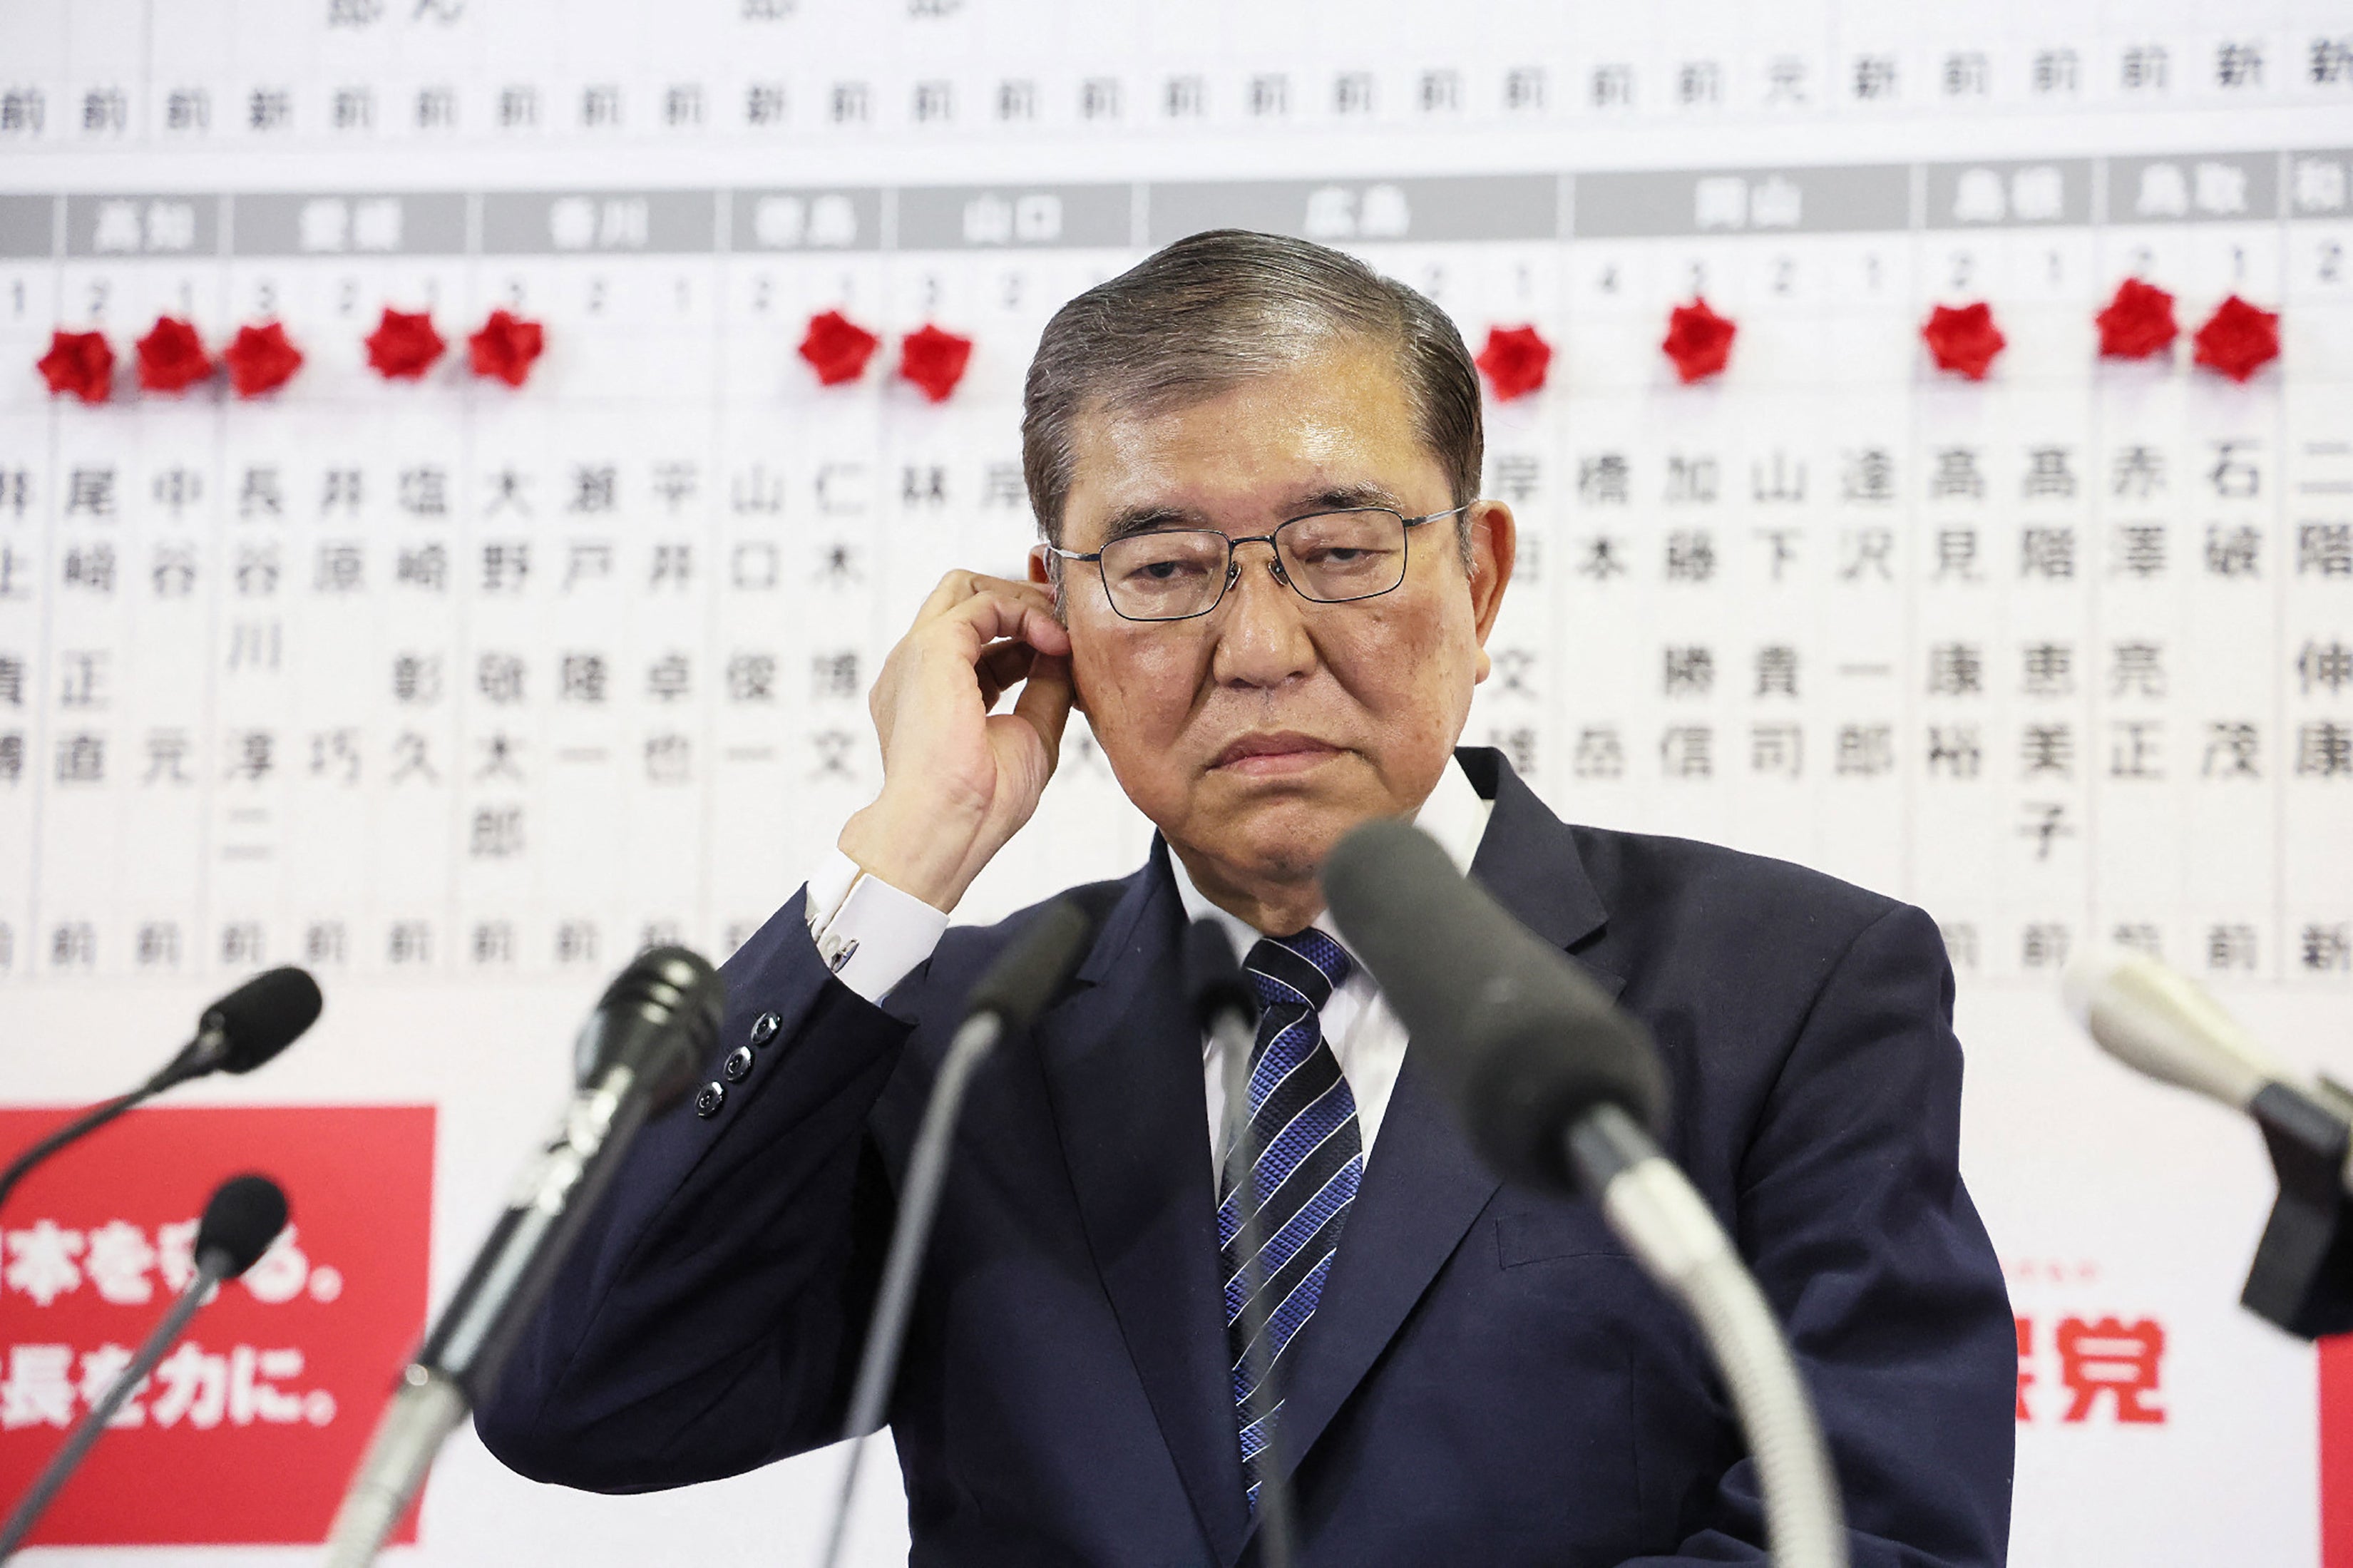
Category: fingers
[1000,611]
[1001,668]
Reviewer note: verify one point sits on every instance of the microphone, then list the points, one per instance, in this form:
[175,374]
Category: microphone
[635,1059]
[1559,1088]
[1008,998]
[2163,1025]
[243,1218]
[235,1034]
[1226,1007]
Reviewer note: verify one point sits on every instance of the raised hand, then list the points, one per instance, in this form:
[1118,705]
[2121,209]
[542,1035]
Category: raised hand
[957,780]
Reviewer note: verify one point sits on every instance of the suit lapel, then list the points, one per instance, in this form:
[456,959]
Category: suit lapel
[1423,1184]
[1123,1066]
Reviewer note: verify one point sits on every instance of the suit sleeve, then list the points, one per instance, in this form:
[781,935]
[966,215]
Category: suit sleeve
[1852,1215]
[707,1320]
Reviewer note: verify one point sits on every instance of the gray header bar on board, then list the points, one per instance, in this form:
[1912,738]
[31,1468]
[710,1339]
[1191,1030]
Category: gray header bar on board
[174,224]
[1471,208]
[1016,217]
[1864,198]
[28,227]
[806,220]
[1664,204]
[414,223]
[2208,187]
[2019,193]
[2320,185]
[600,223]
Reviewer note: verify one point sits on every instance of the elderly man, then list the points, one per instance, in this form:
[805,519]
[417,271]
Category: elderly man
[1267,580]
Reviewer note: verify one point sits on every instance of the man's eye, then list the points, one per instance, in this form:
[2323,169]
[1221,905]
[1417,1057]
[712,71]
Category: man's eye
[1165,569]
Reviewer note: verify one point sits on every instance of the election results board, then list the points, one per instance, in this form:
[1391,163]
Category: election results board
[462,463]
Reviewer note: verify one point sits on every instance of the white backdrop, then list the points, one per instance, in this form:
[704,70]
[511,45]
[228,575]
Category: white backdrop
[457,692]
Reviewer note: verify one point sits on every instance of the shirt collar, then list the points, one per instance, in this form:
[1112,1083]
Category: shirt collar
[1455,814]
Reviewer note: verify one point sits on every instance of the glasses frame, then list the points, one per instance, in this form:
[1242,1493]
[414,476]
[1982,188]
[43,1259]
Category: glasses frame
[1233,566]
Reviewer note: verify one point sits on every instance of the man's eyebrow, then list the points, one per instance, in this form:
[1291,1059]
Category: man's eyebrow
[1344,498]
[1331,497]
[1144,519]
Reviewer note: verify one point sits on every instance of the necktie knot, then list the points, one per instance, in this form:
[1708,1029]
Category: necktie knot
[1306,966]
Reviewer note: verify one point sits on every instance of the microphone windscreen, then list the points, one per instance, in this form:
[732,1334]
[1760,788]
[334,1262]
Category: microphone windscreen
[1033,966]
[245,1216]
[1521,1040]
[263,1017]
[659,1017]
[1214,981]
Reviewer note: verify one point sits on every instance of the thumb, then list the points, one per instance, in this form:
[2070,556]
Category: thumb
[1045,701]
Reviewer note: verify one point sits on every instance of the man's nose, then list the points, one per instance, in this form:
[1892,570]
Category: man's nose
[1263,639]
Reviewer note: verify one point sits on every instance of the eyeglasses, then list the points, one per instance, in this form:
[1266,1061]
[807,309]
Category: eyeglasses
[1326,557]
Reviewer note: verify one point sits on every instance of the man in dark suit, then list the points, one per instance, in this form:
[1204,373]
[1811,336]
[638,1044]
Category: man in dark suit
[1266,582]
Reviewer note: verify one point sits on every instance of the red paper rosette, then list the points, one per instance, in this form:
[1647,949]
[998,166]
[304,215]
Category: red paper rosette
[80,363]
[404,345]
[2238,339]
[837,348]
[932,359]
[1963,341]
[1515,360]
[1698,340]
[2137,322]
[261,359]
[172,357]
[505,347]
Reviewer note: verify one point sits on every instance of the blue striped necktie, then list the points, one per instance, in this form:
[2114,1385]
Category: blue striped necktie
[1305,1156]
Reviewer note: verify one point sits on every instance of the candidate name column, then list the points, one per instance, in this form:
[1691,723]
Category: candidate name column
[2206,448]
[29,307]
[990,264]
[136,572]
[2317,643]
[590,665]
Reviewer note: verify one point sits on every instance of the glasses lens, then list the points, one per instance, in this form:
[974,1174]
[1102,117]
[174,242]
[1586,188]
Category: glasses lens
[1337,556]
[1165,576]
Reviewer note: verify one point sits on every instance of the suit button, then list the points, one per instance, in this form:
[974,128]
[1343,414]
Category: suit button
[738,1066]
[714,1096]
[765,1027]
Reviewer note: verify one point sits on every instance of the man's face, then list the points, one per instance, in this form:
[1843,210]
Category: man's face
[1256,735]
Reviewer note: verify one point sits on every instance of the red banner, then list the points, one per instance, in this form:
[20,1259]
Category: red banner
[249,1428]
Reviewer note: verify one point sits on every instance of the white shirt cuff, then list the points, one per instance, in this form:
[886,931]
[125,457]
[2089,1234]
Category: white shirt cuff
[869,933]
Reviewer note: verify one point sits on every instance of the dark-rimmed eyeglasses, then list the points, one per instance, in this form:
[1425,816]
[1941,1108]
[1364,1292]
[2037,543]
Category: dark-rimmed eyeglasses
[1326,557]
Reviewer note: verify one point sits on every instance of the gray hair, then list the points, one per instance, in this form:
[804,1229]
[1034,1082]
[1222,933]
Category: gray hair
[1213,310]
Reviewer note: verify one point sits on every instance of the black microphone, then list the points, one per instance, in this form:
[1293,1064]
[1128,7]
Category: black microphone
[635,1058]
[235,1034]
[245,1216]
[1226,1006]
[1525,1042]
[1561,1090]
[1006,1000]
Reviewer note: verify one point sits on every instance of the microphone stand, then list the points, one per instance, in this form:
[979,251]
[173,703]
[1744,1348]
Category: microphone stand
[927,1168]
[212,1268]
[1655,1210]
[196,1058]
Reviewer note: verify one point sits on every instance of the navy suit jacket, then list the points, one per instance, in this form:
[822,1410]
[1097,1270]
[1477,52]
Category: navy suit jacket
[1490,1378]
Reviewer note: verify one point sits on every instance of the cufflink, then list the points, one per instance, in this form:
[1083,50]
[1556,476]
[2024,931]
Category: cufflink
[848,951]
[765,1027]
[738,1065]
[712,1096]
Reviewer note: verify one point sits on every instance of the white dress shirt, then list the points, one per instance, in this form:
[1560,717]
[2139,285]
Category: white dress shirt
[873,935]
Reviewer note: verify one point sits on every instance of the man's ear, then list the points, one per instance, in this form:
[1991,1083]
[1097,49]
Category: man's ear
[1041,572]
[1494,546]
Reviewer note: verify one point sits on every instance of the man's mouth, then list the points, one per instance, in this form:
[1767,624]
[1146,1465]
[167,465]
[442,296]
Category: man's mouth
[1275,751]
